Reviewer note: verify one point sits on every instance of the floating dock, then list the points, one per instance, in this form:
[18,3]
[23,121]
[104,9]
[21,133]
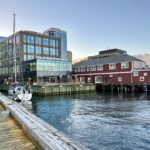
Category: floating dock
[42,135]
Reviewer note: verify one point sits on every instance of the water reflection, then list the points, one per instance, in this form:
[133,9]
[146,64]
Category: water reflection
[99,121]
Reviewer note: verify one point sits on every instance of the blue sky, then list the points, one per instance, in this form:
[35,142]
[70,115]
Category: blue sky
[91,25]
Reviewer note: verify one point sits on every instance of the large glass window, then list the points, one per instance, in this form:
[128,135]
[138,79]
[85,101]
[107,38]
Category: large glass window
[24,38]
[45,42]
[30,57]
[24,48]
[30,49]
[25,57]
[32,66]
[56,52]
[38,50]
[52,42]
[53,67]
[52,51]
[56,43]
[45,50]
[38,40]
[17,39]
[30,39]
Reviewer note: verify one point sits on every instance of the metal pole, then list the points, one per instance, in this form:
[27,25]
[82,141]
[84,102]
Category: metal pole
[14,46]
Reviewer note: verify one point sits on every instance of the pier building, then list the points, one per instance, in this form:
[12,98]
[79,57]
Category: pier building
[112,66]
[39,56]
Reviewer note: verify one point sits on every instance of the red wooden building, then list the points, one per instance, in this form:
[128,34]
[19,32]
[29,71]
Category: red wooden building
[112,66]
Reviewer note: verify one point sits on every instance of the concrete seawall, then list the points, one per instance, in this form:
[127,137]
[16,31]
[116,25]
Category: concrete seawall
[58,89]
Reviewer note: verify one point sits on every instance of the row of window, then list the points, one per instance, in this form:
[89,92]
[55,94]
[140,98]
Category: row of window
[98,79]
[38,40]
[124,65]
[30,57]
[6,70]
[38,50]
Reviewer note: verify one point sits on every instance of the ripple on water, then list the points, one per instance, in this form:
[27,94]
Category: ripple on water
[100,121]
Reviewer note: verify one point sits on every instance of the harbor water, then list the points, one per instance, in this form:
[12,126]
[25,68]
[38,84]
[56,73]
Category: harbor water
[99,121]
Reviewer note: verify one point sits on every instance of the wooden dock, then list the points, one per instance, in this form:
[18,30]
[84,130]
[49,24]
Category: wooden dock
[11,135]
[42,135]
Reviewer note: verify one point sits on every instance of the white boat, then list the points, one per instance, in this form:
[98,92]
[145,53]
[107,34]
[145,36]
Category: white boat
[18,91]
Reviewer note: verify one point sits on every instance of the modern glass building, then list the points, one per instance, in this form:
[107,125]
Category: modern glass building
[57,33]
[38,56]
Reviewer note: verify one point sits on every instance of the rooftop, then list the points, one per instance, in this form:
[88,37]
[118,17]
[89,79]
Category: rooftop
[106,60]
[112,51]
[52,29]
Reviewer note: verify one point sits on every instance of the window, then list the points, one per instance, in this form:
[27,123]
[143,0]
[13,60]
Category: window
[145,73]
[112,66]
[56,51]
[98,79]
[38,50]
[30,57]
[45,50]
[24,48]
[99,67]
[30,49]
[135,73]
[38,40]
[24,38]
[93,68]
[30,39]
[75,69]
[45,42]
[52,51]
[78,69]
[56,43]
[88,68]
[25,57]
[141,79]
[89,79]
[17,39]
[82,69]
[124,65]
[119,79]
[52,42]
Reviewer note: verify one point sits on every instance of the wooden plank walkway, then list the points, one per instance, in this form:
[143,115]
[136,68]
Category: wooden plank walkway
[11,135]
[43,135]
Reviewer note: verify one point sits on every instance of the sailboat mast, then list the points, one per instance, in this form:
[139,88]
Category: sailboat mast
[14,25]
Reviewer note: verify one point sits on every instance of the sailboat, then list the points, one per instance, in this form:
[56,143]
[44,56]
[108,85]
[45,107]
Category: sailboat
[16,90]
